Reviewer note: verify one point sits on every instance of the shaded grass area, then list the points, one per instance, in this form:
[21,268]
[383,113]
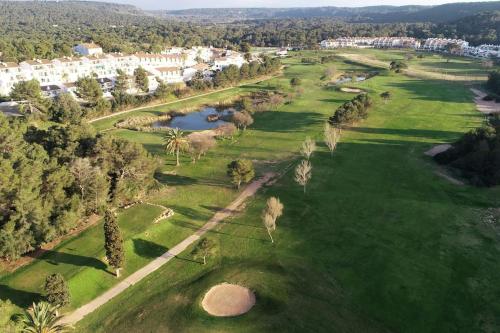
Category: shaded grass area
[379,243]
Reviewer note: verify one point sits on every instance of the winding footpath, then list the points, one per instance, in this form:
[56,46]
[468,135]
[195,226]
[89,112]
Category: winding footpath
[132,279]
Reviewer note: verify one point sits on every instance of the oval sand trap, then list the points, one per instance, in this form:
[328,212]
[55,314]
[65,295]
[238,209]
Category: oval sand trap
[227,300]
[351,90]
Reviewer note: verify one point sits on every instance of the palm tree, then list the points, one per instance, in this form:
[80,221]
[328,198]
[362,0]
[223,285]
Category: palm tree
[42,318]
[175,141]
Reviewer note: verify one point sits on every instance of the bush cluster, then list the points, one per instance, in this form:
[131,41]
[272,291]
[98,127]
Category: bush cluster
[351,111]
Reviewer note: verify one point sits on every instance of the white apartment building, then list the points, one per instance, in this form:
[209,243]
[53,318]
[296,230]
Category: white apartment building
[177,65]
[378,42]
[483,51]
[440,44]
[88,49]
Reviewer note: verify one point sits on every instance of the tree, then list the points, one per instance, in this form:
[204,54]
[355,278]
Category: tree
[42,318]
[113,242]
[242,119]
[56,290]
[295,81]
[175,142]
[308,148]
[89,89]
[273,210]
[240,171]
[397,66]
[199,145]
[303,173]
[121,82]
[141,79]
[203,249]
[64,109]
[330,72]
[163,90]
[332,136]
[386,95]
[276,100]
[30,92]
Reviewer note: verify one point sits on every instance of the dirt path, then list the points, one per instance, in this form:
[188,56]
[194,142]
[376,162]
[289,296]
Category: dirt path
[132,279]
[179,100]
[483,106]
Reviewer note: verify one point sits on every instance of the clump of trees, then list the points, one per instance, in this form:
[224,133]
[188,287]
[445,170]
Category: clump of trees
[295,81]
[493,82]
[52,178]
[272,211]
[240,171]
[351,111]
[476,155]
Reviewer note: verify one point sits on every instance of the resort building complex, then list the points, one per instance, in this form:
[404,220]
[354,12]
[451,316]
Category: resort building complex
[456,46]
[175,65]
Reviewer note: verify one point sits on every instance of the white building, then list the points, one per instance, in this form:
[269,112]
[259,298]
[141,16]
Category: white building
[440,44]
[88,49]
[175,66]
[365,42]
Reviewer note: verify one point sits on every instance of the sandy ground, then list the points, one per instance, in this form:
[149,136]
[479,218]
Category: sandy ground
[227,300]
[437,149]
[485,107]
[351,90]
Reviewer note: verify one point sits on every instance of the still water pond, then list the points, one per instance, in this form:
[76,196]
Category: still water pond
[195,121]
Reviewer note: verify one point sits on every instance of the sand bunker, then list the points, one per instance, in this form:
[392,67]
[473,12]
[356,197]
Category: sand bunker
[437,149]
[351,90]
[227,300]
[483,106]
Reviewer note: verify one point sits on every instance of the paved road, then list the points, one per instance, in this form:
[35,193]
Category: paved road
[84,310]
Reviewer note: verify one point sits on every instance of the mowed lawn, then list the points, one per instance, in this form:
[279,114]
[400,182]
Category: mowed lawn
[379,243]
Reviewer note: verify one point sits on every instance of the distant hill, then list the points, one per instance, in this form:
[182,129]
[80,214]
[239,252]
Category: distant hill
[482,28]
[374,14]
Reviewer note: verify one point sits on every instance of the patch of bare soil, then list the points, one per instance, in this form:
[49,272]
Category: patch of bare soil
[486,107]
[228,300]
[437,149]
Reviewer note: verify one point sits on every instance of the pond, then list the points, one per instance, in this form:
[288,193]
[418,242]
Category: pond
[349,79]
[195,121]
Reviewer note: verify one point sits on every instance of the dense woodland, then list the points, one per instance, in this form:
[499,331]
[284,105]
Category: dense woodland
[50,29]
[51,178]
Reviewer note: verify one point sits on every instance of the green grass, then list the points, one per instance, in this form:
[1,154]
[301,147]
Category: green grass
[379,242]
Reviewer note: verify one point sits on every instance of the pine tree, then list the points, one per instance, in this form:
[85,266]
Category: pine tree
[56,290]
[113,242]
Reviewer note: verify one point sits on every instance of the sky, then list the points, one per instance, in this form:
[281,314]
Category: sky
[182,4]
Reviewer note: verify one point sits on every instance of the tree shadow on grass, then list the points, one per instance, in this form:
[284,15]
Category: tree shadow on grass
[282,121]
[148,249]
[56,258]
[175,180]
[20,298]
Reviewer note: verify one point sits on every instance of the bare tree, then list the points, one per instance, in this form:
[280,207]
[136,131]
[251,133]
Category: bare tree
[269,223]
[273,210]
[332,137]
[330,72]
[199,145]
[308,148]
[303,173]
[242,119]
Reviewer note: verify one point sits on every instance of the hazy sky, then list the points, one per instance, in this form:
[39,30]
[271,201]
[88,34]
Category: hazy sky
[181,4]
